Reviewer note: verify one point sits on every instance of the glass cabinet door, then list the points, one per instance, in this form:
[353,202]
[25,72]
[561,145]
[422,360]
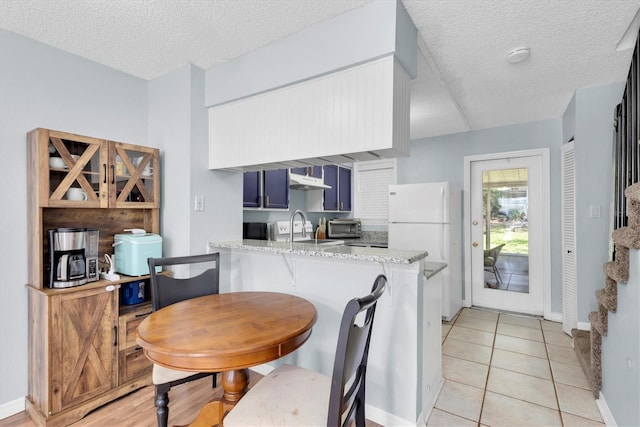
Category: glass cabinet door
[133,176]
[77,170]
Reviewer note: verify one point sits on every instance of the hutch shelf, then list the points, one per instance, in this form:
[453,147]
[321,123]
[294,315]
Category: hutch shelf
[82,351]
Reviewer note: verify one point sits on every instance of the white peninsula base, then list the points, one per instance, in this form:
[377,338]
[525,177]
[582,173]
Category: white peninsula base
[404,370]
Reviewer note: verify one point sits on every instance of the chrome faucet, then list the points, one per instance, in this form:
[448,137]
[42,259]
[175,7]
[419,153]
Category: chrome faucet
[304,221]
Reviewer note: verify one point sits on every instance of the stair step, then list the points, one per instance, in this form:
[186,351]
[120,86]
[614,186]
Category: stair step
[627,237]
[616,271]
[601,297]
[611,291]
[596,361]
[597,323]
[582,347]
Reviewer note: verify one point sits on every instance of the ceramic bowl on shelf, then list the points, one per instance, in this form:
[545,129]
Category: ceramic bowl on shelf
[57,163]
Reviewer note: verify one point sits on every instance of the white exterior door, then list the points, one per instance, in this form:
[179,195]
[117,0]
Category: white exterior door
[508,198]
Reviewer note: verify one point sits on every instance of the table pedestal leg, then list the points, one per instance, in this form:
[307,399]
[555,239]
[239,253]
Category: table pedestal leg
[235,385]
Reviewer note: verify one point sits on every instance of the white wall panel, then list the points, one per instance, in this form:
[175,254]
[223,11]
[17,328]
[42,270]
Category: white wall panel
[353,112]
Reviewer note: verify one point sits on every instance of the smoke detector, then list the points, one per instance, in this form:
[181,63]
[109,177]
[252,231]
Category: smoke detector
[518,54]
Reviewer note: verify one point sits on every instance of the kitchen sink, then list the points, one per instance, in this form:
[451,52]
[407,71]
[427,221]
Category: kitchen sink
[322,242]
[367,244]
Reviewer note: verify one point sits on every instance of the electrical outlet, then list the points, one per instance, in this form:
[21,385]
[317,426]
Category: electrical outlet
[199,203]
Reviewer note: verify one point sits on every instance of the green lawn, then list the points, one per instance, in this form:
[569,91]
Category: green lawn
[516,242]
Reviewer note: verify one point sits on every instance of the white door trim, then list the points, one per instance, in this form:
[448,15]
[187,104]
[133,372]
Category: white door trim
[546,220]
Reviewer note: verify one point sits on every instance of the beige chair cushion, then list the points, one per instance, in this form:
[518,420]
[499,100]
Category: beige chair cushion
[163,375]
[288,396]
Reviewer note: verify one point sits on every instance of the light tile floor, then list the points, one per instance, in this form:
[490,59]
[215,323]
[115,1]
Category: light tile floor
[509,370]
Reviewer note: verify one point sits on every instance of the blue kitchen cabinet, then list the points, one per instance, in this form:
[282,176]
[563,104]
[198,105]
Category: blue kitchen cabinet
[344,189]
[338,197]
[252,190]
[331,194]
[276,189]
[266,189]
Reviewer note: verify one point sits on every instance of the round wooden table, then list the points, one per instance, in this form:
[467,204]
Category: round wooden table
[226,333]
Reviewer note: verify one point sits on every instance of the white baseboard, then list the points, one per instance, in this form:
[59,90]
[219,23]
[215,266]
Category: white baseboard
[384,418]
[584,326]
[426,414]
[554,316]
[11,408]
[605,412]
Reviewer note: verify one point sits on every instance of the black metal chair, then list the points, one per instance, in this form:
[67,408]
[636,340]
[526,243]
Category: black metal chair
[491,261]
[293,396]
[167,290]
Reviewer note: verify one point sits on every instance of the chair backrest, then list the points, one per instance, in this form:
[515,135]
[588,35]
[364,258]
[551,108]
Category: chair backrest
[494,253]
[349,368]
[167,290]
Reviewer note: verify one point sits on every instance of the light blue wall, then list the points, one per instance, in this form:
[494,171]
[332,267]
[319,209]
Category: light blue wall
[621,351]
[178,123]
[594,108]
[170,130]
[44,87]
[354,37]
[442,159]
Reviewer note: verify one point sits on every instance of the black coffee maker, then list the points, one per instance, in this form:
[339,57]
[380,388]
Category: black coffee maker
[67,266]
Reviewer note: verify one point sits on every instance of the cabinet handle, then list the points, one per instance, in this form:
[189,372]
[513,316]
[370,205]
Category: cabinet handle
[115,336]
[341,205]
[143,314]
[113,174]
[105,173]
[137,348]
[266,201]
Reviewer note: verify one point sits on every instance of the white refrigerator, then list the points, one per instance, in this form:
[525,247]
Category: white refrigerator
[428,216]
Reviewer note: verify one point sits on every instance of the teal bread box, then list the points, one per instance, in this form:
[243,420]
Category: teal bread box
[132,251]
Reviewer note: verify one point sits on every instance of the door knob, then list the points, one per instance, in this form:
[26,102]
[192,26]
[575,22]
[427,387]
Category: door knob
[475,244]
[475,223]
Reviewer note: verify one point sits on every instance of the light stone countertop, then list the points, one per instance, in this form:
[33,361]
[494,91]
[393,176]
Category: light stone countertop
[432,268]
[336,251]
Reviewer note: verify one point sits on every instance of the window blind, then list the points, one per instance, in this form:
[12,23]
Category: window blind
[371,199]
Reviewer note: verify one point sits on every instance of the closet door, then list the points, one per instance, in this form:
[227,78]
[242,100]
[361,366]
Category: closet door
[569,283]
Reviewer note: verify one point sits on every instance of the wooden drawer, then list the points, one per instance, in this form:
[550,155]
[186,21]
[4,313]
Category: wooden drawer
[127,327]
[133,363]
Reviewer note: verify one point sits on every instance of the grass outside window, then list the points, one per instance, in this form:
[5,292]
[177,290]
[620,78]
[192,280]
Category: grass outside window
[515,238]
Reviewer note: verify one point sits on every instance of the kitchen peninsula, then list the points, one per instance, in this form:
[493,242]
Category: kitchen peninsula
[404,371]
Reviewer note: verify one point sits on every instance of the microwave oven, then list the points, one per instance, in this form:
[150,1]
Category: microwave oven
[257,230]
[344,229]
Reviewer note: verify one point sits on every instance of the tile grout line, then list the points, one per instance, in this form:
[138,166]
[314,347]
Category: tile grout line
[486,381]
[489,368]
[553,378]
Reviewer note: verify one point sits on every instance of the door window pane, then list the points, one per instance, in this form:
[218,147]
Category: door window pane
[505,229]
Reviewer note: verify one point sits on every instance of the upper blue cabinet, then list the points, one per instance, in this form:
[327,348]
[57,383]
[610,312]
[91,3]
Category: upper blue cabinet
[334,199]
[266,189]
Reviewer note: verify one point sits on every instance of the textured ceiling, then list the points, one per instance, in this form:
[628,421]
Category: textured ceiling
[464,81]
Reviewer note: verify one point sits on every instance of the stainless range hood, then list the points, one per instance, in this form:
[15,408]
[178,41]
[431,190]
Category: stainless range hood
[306,182]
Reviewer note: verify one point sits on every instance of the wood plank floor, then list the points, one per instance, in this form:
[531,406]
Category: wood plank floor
[137,409]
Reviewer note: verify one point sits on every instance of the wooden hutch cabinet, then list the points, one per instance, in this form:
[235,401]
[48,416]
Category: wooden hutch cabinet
[82,351]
